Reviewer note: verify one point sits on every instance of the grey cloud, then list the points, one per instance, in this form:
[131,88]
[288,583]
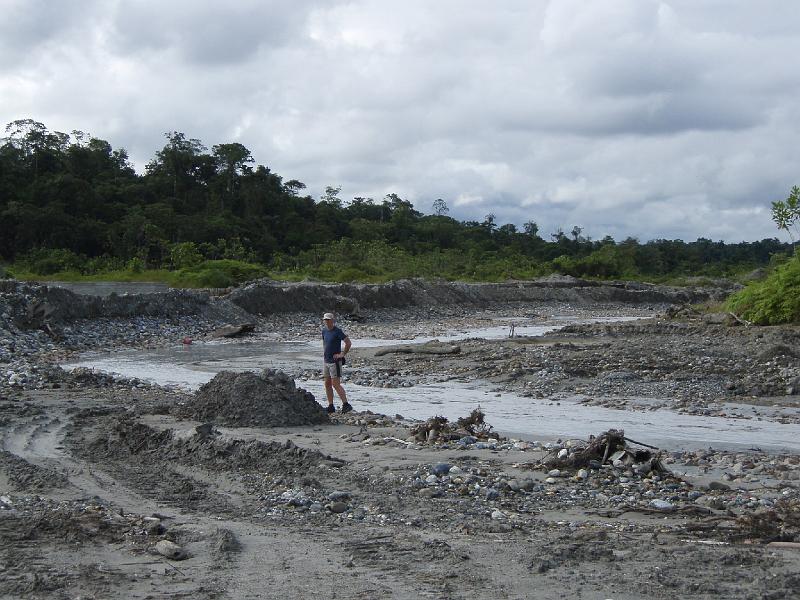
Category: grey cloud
[206,33]
[29,25]
[628,117]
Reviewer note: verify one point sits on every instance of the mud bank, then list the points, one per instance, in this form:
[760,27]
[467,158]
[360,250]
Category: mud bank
[264,297]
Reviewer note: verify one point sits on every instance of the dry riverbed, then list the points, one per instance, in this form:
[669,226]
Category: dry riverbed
[115,487]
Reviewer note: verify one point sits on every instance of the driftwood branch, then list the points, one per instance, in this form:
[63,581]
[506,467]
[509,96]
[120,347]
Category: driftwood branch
[627,439]
[428,348]
[739,320]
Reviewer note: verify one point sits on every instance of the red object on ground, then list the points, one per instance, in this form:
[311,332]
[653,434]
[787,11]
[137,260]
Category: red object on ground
[187,340]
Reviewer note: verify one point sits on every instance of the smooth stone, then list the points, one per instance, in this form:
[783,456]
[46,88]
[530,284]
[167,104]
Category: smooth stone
[498,515]
[661,505]
[441,469]
[338,507]
[339,495]
[170,550]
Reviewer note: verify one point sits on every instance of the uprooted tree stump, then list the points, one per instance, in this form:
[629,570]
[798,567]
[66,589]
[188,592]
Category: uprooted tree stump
[610,446]
[440,428]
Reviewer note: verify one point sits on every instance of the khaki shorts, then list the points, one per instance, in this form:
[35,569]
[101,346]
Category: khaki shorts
[332,370]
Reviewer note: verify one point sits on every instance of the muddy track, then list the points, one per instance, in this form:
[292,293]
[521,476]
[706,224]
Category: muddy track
[89,486]
[154,474]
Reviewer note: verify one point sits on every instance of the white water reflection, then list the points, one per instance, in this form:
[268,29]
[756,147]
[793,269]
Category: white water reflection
[495,332]
[566,418]
[106,288]
[191,366]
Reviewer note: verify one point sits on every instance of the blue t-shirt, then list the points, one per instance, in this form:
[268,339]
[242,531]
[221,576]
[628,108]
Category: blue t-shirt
[332,340]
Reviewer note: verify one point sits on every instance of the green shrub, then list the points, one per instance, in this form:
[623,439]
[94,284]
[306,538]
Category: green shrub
[606,262]
[103,264]
[218,274]
[185,255]
[135,265]
[774,300]
[47,261]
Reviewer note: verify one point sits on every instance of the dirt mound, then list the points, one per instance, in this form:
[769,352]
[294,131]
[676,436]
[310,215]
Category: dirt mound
[124,438]
[268,399]
[31,306]
[25,476]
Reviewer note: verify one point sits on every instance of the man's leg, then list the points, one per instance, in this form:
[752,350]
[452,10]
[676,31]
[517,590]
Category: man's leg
[337,385]
[328,385]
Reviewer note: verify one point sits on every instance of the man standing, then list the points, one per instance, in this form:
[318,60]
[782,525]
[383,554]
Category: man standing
[333,356]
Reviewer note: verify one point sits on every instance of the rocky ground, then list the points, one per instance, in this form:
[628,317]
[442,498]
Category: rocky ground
[684,364]
[113,487]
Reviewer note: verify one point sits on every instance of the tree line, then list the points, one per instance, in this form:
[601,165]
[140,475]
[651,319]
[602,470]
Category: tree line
[71,202]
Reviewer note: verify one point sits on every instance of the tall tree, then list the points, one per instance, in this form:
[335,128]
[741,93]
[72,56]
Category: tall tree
[180,161]
[231,162]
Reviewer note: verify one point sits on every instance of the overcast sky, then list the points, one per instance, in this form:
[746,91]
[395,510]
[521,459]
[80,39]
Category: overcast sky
[671,119]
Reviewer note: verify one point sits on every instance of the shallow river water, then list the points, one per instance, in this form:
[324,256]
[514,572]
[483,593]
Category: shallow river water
[190,366]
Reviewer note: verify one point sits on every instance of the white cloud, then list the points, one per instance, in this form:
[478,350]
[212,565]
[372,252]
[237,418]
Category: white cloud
[655,119]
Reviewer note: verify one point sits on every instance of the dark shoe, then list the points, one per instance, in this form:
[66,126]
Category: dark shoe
[331,408]
[346,408]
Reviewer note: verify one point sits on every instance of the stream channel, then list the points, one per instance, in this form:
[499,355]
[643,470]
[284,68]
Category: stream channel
[190,366]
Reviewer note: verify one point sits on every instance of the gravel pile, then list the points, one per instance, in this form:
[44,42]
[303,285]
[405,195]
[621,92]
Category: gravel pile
[25,374]
[268,399]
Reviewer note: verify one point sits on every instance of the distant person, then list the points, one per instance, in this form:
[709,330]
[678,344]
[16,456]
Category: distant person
[333,360]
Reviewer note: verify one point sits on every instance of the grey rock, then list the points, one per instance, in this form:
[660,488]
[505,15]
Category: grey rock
[491,493]
[338,495]
[441,469]
[662,505]
[170,550]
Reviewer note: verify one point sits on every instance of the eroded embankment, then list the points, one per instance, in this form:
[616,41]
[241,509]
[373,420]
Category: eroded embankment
[266,297]
[27,306]
[30,306]
[36,318]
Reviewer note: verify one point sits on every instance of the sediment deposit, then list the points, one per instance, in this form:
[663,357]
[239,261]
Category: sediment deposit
[112,487]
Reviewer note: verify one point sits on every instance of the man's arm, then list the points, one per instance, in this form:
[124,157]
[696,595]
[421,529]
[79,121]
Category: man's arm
[347,345]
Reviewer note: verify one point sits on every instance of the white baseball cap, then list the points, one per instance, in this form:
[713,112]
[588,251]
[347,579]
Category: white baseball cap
[327,316]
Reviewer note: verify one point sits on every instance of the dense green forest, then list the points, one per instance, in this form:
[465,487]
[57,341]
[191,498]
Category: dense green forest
[72,204]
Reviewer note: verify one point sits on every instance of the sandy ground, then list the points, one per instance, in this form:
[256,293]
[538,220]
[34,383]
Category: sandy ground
[94,479]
